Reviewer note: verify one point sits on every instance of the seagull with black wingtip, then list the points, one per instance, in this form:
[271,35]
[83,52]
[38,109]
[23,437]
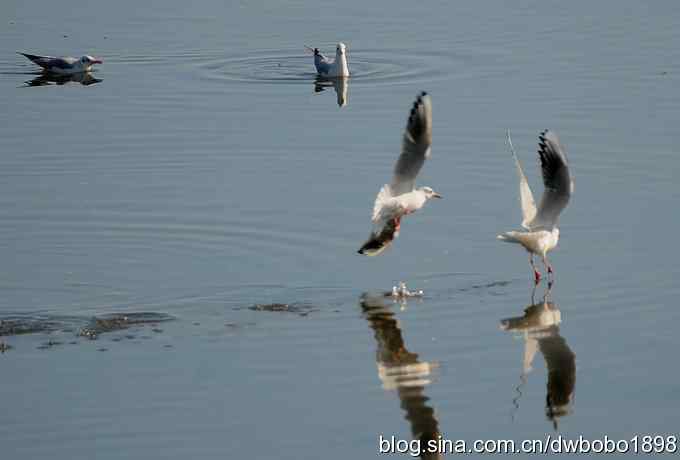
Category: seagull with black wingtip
[401,197]
[542,233]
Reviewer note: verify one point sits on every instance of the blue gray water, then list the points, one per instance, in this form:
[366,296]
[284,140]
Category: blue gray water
[207,175]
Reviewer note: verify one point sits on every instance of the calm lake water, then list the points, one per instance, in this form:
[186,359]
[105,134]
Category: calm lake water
[207,179]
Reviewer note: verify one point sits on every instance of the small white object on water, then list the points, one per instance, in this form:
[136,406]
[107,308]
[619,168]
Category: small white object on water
[402,292]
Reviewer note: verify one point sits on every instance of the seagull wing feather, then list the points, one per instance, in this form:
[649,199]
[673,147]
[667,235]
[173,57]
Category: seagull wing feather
[415,147]
[525,195]
[556,178]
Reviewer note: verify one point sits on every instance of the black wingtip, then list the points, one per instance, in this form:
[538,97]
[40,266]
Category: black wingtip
[542,141]
[360,251]
[418,101]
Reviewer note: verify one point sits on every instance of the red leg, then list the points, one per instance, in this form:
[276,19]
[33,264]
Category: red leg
[551,276]
[537,275]
[397,223]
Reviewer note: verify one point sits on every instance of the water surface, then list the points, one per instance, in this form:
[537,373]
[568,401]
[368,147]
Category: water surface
[209,172]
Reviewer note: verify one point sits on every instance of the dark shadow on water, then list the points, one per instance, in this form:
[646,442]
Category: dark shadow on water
[400,370]
[539,326]
[49,79]
[341,86]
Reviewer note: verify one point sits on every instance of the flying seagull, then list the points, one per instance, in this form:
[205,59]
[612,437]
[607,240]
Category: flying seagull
[400,197]
[327,68]
[541,233]
[63,65]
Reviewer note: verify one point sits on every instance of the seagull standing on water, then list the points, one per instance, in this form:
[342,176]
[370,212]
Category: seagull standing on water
[63,65]
[334,69]
[541,223]
[400,197]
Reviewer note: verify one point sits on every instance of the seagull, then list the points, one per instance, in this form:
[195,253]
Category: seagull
[63,65]
[337,68]
[400,197]
[541,223]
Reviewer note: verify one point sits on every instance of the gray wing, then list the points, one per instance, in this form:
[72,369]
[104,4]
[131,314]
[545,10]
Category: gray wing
[49,62]
[525,195]
[415,146]
[322,64]
[62,63]
[557,181]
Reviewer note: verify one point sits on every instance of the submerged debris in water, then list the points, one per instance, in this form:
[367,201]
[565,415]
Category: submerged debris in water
[298,308]
[49,344]
[489,285]
[19,326]
[118,321]
[271,307]
[83,327]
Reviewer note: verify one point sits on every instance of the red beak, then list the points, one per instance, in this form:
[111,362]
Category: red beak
[97,61]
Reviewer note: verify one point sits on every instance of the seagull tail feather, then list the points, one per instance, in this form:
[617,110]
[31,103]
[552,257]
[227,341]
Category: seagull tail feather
[509,237]
[380,240]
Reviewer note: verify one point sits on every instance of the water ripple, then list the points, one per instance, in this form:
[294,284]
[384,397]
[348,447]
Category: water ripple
[367,66]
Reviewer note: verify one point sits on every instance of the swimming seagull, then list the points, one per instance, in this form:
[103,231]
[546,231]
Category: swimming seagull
[327,68]
[400,197]
[63,65]
[541,223]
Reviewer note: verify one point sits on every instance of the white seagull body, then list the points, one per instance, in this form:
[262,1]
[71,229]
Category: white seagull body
[400,197]
[63,65]
[541,235]
[337,68]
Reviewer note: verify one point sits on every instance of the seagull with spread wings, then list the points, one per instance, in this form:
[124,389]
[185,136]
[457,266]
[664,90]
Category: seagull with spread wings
[401,197]
[541,233]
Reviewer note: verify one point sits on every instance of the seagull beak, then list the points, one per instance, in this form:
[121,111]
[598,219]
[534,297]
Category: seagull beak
[436,195]
[97,61]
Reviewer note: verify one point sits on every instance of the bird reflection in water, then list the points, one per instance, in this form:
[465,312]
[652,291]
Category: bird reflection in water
[341,86]
[400,370]
[47,79]
[540,329]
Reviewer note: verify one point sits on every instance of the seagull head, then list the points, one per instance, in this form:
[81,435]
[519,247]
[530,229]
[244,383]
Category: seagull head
[429,193]
[87,61]
[340,49]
